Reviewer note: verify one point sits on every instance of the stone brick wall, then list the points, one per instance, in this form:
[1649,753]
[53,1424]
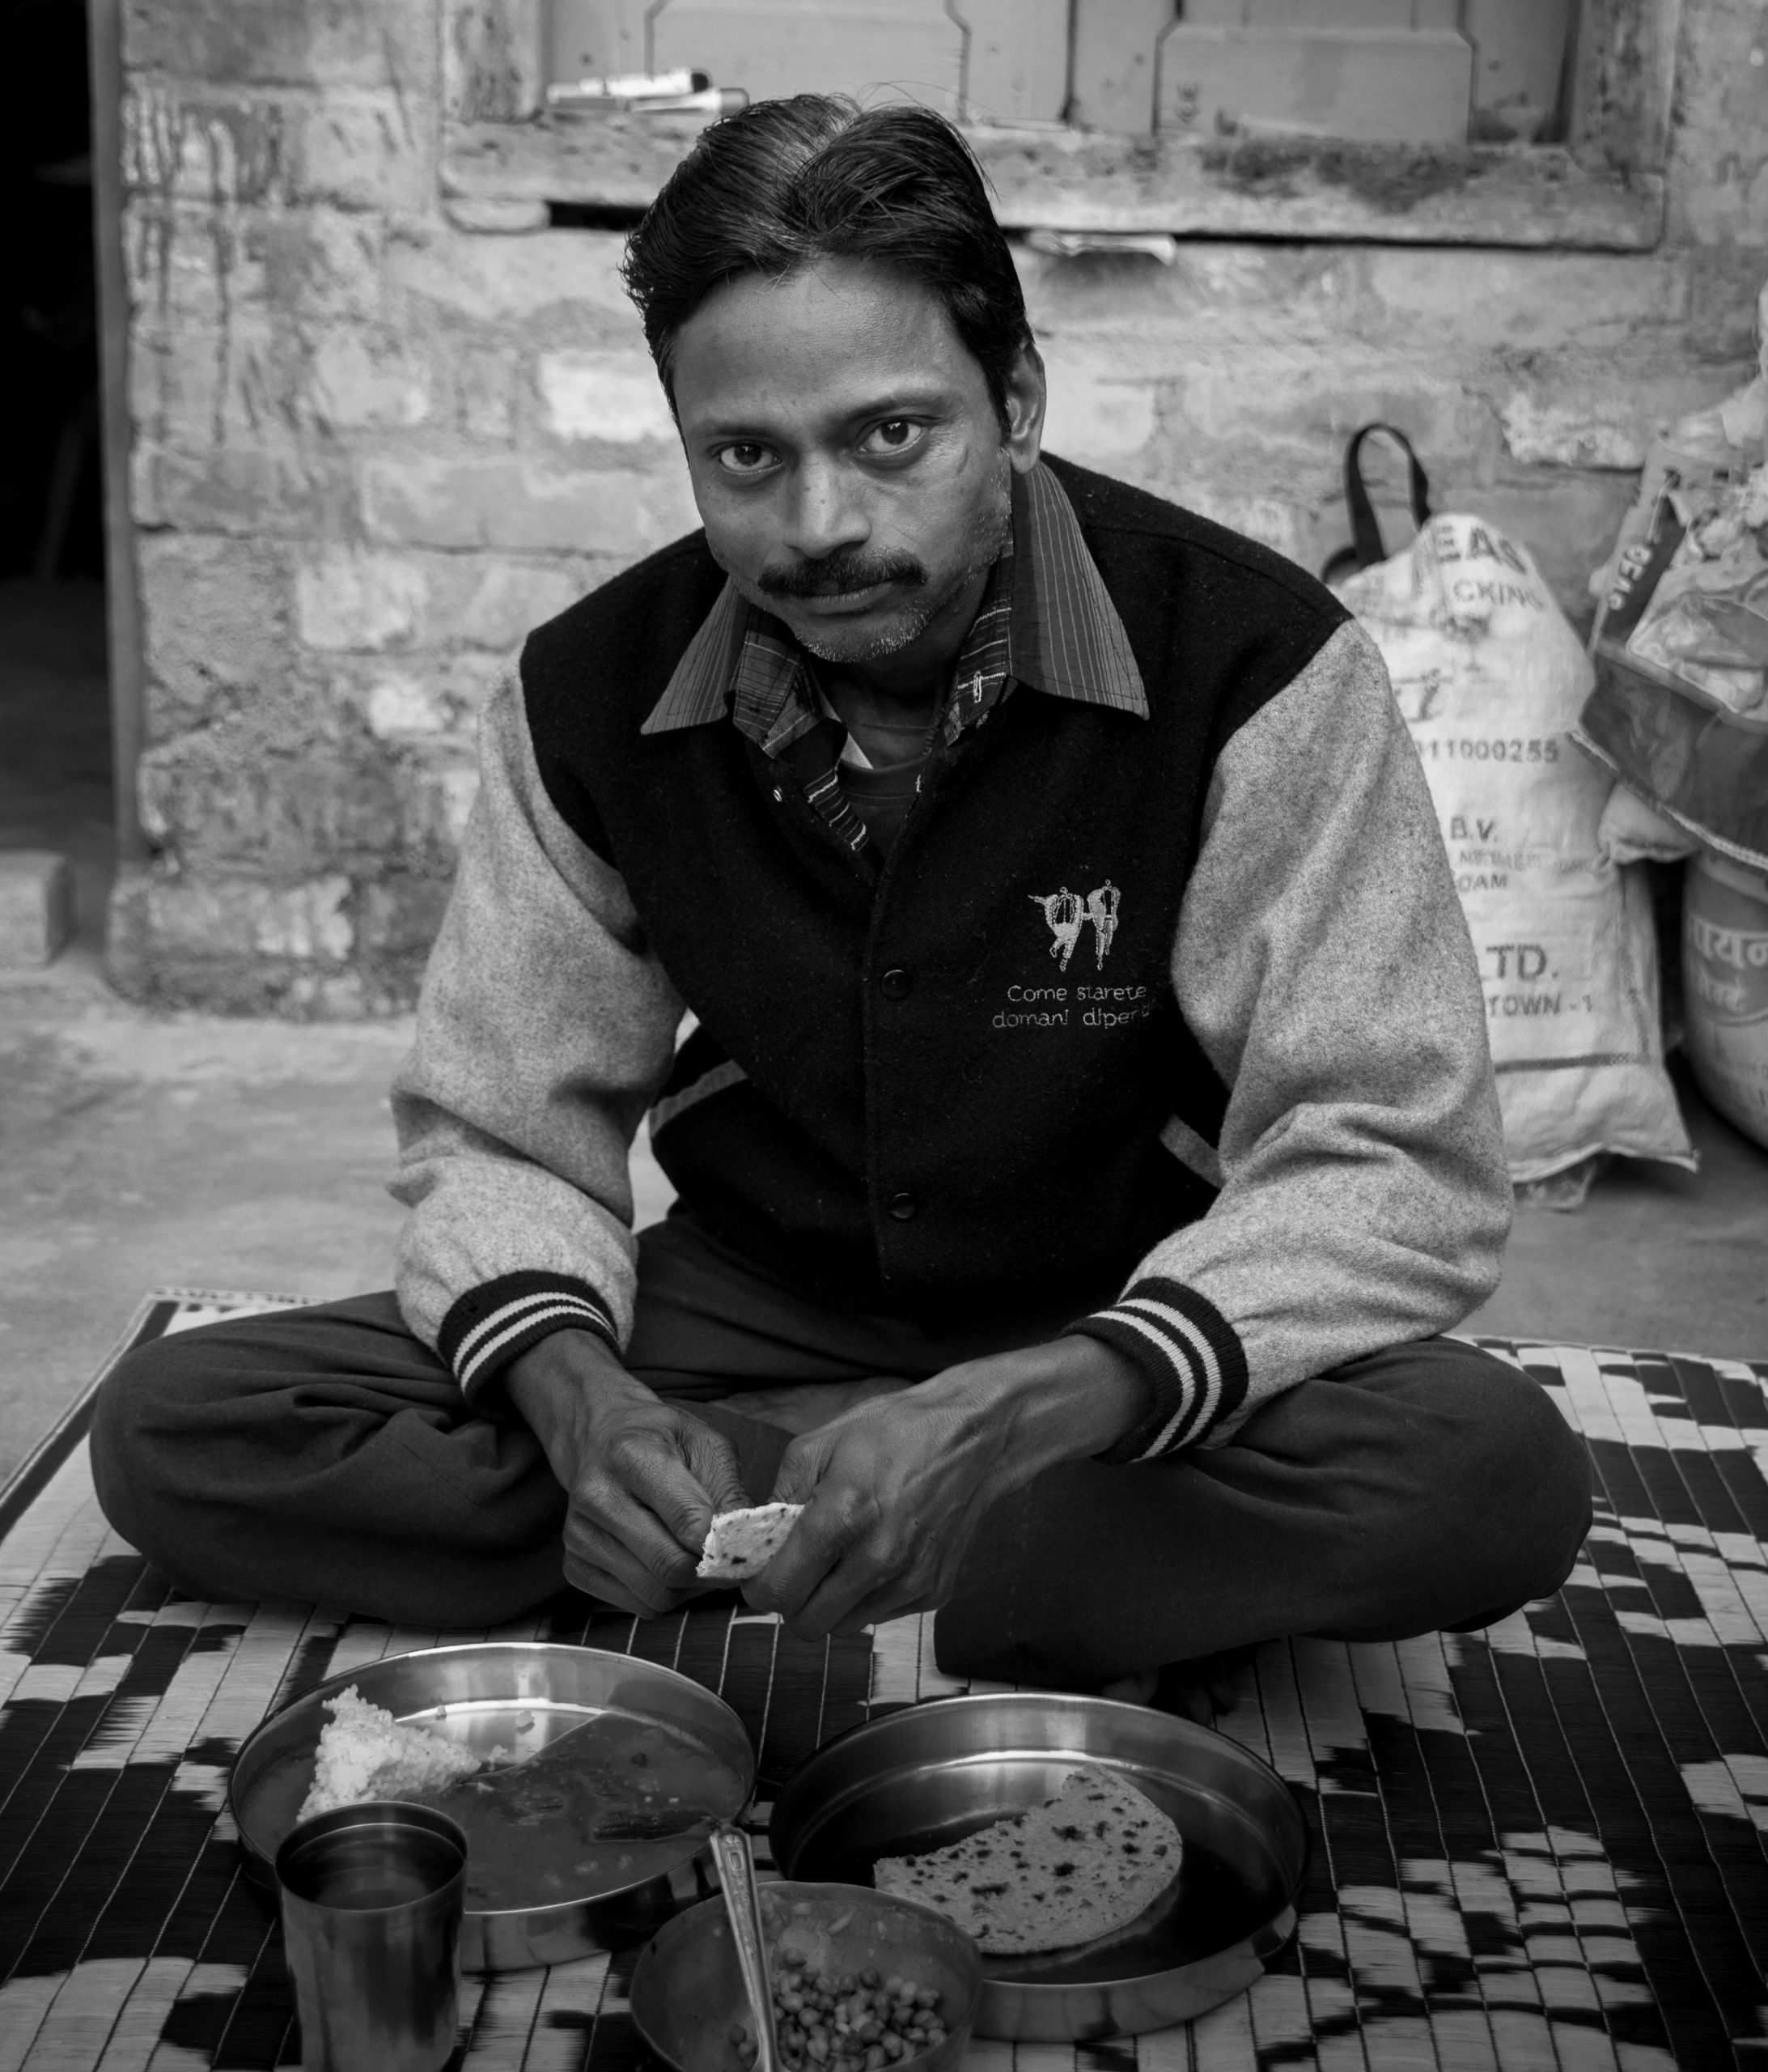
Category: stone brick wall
[373,447]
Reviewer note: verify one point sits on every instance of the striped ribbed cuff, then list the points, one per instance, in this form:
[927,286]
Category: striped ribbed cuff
[491,1324]
[1187,1352]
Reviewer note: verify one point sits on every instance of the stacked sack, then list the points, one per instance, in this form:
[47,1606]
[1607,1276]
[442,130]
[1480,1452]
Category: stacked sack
[1491,678]
[1679,713]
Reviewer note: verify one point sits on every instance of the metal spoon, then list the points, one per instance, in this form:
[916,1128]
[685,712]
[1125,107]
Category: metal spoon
[743,1904]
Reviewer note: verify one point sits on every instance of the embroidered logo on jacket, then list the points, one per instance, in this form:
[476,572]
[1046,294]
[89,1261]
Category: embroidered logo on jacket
[1066,915]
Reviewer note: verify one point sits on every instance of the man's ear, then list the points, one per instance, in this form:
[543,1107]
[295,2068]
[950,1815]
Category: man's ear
[1026,393]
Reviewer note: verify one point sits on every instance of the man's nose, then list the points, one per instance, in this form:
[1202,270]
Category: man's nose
[828,512]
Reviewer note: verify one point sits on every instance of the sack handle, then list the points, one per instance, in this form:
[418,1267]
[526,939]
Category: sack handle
[1366,549]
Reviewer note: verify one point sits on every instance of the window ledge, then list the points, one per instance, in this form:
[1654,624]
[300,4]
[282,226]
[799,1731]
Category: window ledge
[1073,179]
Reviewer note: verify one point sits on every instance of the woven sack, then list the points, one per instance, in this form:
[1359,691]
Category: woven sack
[1490,679]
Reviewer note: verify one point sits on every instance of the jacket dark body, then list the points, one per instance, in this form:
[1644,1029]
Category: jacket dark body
[956,1069]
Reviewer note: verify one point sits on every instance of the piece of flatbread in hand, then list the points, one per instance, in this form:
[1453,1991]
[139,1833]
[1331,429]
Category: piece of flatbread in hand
[1083,1865]
[742,1542]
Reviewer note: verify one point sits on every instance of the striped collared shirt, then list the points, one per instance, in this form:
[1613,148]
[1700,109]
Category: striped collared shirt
[1045,621]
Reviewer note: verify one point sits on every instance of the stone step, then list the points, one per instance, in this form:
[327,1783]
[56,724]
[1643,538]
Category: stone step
[36,907]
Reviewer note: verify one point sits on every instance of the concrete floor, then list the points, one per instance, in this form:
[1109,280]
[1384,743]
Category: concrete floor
[138,1151]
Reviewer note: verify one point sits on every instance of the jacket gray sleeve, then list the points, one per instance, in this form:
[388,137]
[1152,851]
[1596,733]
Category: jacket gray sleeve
[1324,964]
[543,1028]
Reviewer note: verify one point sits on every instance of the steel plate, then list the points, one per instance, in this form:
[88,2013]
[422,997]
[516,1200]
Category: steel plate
[485,1693]
[926,1776]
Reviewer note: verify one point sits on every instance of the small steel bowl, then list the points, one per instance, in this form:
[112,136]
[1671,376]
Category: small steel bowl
[687,1990]
[924,1776]
[492,1693]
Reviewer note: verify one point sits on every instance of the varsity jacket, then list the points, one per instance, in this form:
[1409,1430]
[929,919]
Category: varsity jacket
[1162,1003]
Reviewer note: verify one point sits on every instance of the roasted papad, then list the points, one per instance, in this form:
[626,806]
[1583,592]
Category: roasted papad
[1082,1864]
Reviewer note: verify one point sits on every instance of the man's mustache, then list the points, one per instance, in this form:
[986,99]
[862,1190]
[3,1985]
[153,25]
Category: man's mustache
[837,574]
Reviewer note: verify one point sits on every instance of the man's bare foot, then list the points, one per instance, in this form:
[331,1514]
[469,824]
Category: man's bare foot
[1202,1690]
[1137,1688]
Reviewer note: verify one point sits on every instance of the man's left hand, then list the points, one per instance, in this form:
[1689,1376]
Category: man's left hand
[894,1490]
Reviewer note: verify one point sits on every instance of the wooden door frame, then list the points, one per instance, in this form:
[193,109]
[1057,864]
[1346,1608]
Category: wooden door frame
[122,586]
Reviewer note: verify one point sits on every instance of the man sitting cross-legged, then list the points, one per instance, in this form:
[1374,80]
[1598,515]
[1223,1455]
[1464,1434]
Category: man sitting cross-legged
[1086,1126]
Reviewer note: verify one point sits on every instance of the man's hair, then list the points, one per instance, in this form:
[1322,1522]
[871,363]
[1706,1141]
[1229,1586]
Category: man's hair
[788,183]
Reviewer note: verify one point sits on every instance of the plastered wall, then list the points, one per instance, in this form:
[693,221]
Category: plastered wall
[371,447]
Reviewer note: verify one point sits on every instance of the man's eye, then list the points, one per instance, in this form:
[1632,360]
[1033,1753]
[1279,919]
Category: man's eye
[746,457]
[894,435]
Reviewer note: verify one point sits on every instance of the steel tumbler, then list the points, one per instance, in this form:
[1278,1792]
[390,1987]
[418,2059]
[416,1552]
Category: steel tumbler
[372,1897]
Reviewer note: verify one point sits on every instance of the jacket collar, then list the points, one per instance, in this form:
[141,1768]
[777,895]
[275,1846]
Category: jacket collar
[1064,636]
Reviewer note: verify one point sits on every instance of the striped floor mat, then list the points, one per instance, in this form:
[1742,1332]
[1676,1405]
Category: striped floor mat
[1544,1845]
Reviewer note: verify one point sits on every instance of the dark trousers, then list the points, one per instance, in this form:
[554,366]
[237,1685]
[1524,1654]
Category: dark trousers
[325,1455]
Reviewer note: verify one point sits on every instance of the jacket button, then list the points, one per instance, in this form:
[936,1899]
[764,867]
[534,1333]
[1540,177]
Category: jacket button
[902,1207]
[896,984]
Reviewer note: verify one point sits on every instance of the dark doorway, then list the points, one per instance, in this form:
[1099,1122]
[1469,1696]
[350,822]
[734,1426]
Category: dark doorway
[55,729]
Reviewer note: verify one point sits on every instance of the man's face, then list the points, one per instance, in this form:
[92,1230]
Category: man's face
[848,463]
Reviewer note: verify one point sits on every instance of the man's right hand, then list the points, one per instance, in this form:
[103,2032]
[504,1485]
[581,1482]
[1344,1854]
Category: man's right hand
[644,1477]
